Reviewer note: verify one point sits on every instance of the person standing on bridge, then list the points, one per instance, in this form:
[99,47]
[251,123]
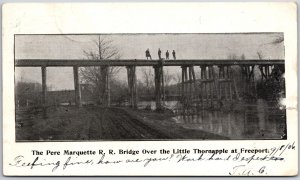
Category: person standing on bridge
[148,54]
[167,54]
[174,55]
[159,54]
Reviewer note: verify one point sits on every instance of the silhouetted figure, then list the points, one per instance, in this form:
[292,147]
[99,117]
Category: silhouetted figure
[174,55]
[167,54]
[148,54]
[159,54]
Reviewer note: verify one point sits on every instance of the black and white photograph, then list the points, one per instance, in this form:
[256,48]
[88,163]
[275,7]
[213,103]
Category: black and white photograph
[150,89]
[150,86]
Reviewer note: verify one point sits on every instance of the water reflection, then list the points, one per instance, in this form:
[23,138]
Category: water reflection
[257,120]
[244,120]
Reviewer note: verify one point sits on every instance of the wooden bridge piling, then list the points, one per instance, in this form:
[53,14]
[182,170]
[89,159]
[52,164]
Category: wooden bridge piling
[190,82]
[158,86]
[207,86]
[226,83]
[211,83]
[206,83]
[230,82]
[44,85]
[266,71]
[215,83]
[183,81]
[194,80]
[249,84]
[202,71]
[105,86]
[162,83]
[77,87]
[131,75]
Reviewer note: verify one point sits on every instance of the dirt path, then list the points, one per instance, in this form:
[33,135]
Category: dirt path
[96,123]
[117,124]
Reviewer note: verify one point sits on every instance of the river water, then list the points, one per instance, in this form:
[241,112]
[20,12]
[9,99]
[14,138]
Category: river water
[258,119]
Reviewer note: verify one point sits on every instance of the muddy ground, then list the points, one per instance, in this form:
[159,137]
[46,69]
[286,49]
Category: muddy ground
[98,123]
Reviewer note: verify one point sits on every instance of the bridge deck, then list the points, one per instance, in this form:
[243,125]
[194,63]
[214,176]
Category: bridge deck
[140,62]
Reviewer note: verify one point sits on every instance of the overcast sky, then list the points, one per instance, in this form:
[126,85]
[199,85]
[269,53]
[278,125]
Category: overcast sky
[133,46]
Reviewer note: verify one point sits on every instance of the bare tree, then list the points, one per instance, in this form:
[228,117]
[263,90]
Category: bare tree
[167,77]
[177,79]
[148,78]
[260,55]
[100,77]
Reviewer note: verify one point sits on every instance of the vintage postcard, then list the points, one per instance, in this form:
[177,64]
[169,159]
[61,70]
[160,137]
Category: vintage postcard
[150,89]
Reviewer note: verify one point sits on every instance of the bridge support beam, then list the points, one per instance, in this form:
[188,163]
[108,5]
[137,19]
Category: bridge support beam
[266,71]
[225,82]
[131,75]
[44,85]
[158,73]
[248,79]
[192,76]
[105,86]
[202,85]
[183,80]
[206,86]
[77,87]
[227,85]
[212,85]
[188,83]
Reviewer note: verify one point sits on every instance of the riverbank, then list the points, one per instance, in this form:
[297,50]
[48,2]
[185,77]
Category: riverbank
[98,123]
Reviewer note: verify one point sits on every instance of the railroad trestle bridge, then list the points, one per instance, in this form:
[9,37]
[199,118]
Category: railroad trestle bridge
[211,86]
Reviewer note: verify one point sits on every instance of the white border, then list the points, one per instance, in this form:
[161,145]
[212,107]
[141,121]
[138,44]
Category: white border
[145,18]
